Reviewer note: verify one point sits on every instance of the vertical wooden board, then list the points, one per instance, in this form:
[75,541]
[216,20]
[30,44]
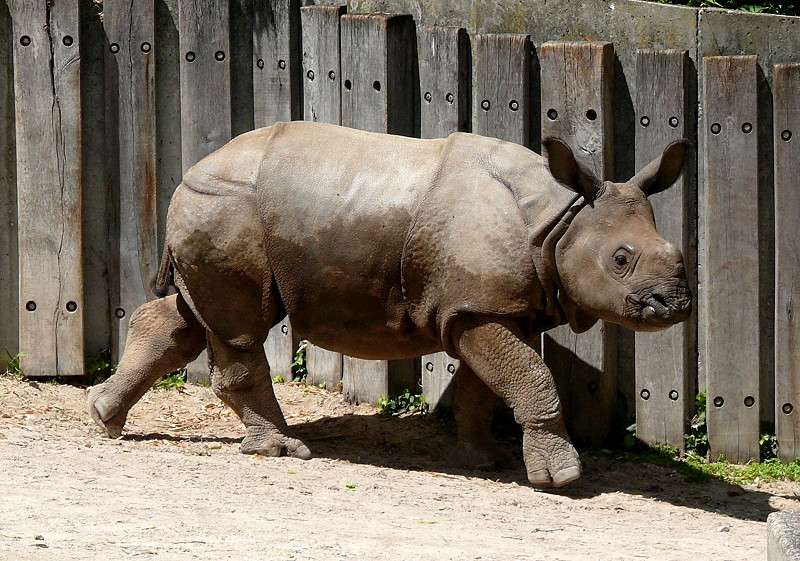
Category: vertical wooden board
[277,97]
[205,94]
[501,87]
[369,380]
[378,95]
[47,91]
[9,257]
[241,41]
[205,79]
[168,109]
[444,81]
[378,91]
[729,256]
[576,98]
[131,121]
[322,102]
[786,123]
[322,92]
[276,54]
[665,361]
[438,379]
[444,108]
[324,368]
[98,211]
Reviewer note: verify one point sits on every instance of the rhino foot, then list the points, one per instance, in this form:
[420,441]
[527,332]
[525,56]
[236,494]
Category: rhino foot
[274,446]
[104,413]
[550,458]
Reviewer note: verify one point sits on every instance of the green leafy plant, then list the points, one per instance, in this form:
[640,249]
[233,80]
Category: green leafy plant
[788,9]
[768,442]
[697,440]
[100,367]
[173,380]
[406,402]
[11,364]
[278,379]
[299,365]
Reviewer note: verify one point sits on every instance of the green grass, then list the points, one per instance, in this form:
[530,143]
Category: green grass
[698,469]
[11,364]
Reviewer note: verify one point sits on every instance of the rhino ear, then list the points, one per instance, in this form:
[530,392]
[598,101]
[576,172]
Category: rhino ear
[568,171]
[662,172]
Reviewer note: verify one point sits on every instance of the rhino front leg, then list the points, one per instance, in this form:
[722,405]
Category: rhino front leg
[163,335]
[240,378]
[499,354]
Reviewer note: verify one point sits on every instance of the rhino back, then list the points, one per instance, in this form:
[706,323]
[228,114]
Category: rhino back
[337,206]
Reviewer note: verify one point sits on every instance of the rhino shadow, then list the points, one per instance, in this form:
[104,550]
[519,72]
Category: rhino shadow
[425,443]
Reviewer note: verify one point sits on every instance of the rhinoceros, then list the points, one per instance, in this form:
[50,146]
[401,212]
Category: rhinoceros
[388,247]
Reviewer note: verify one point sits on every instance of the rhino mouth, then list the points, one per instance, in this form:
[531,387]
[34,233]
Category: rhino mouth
[662,307]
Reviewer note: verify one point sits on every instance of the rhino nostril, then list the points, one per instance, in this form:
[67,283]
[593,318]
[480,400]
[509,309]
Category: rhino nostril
[660,299]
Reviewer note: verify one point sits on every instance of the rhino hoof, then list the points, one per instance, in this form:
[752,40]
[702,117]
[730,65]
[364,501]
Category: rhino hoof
[103,415]
[566,475]
[274,447]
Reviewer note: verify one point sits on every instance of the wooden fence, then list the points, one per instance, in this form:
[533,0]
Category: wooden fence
[103,114]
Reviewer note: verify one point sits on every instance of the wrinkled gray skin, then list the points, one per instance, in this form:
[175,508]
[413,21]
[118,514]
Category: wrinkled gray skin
[386,247]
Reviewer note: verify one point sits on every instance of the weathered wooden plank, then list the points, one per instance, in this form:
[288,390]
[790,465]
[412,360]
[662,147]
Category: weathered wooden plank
[322,92]
[205,79]
[665,361]
[501,87]
[369,380]
[205,94]
[322,102]
[276,54]
[47,91]
[131,133]
[729,256]
[444,108]
[277,97]
[378,95]
[9,256]
[98,208]
[576,86]
[786,127]
[444,72]
[378,90]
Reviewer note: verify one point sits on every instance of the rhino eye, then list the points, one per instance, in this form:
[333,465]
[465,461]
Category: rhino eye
[620,260]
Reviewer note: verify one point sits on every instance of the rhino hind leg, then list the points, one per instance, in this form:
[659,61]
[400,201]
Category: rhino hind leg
[474,405]
[240,378]
[163,336]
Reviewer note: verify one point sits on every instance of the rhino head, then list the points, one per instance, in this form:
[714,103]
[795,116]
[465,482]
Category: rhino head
[611,262]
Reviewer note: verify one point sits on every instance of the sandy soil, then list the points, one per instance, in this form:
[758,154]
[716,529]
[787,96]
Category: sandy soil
[176,487]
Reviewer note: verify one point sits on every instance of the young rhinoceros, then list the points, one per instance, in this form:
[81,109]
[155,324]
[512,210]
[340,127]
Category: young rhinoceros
[386,247]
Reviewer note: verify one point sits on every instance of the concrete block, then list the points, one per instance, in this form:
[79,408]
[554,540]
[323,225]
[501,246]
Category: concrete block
[783,536]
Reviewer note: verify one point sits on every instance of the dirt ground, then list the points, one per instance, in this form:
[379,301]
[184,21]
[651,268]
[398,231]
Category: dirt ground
[176,487]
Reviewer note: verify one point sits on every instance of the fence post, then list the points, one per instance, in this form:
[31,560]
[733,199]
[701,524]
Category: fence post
[278,97]
[787,258]
[378,95]
[131,134]
[47,92]
[501,87]
[444,70]
[322,94]
[576,82]
[205,94]
[9,256]
[666,361]
[729,255]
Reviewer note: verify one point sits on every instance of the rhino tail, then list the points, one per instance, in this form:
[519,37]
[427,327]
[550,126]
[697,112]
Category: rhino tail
[165,278]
